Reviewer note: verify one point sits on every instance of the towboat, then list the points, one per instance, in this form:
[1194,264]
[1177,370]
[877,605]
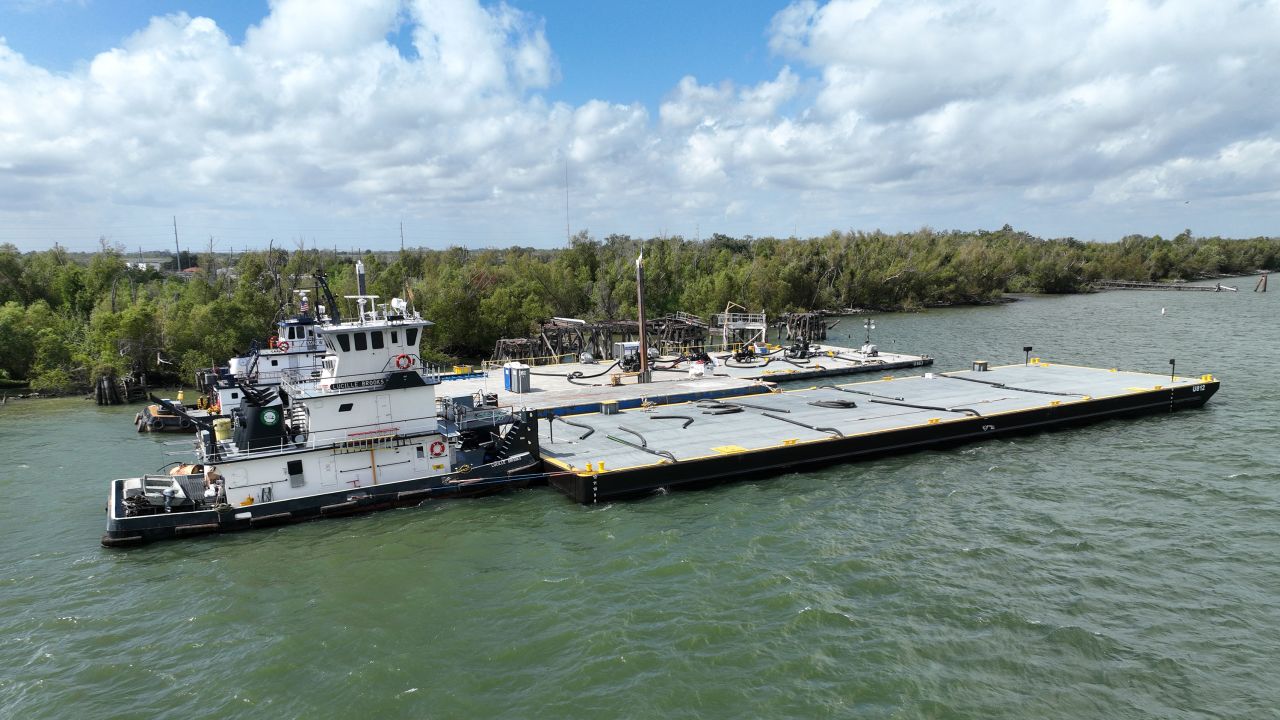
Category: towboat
[366,431]
[295,347]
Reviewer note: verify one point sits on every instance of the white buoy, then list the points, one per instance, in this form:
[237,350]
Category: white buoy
[1162,311]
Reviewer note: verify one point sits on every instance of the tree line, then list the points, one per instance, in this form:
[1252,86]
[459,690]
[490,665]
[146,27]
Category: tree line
[65,319]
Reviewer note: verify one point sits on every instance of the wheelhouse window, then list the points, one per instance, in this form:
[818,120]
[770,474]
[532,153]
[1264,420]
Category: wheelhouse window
[375,339]
[395,337]
[411,336]
[344,342]
[362,342]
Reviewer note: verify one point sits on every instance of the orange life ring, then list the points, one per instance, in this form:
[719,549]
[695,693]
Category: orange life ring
[437,449]
[404,362]
[283,346]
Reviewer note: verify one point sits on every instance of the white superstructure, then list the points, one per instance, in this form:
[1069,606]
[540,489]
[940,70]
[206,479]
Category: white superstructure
[368,418]
[362,431]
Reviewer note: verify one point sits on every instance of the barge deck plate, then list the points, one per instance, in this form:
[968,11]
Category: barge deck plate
[641,450]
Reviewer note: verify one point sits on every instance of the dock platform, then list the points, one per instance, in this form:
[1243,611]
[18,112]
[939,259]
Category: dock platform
[595,458]
[827,361]
[556,395]
[572,388]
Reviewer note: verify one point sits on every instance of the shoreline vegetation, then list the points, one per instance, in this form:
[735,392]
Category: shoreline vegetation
[68,318]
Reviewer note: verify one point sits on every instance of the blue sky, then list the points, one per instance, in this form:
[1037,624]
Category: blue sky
[331,122]
[637,51]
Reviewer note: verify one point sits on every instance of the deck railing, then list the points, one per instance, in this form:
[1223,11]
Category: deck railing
[300,380]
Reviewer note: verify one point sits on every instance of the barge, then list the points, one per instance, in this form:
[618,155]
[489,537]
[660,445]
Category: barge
[601,457]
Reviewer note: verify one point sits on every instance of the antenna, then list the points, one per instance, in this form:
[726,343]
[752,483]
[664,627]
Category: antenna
[401,236]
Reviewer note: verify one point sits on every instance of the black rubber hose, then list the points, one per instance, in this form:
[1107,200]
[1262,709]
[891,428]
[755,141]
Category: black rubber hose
[872,361]
[839,404]
[757,407]
[643,442]
[577,373]
[588,428]
[831,430]
[659,453]
[970,411]
[860,392]
[727,410]
[1002,386]
[749,367]
[687,420]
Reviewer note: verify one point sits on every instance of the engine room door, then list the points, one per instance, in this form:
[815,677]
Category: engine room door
[384,408]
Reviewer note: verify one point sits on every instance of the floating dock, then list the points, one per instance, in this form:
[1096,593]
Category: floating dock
[600,457]
[557,394]
[824,361]
[1134,285]
[572,388]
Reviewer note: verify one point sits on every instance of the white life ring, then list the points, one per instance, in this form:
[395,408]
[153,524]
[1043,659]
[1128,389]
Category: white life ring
[437,449]
[283,346]
[404,362]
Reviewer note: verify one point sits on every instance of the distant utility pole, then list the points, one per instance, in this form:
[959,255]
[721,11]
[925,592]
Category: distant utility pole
[177,258]
[401,236]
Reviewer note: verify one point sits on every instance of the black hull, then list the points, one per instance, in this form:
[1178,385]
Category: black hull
[594,488]
[513,472]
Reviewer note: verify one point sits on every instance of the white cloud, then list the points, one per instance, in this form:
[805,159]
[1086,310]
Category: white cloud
[1049,115]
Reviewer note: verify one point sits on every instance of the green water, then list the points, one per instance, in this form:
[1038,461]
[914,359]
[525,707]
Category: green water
[1129,569]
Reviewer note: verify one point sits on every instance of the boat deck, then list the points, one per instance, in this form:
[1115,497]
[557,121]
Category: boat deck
[784,429]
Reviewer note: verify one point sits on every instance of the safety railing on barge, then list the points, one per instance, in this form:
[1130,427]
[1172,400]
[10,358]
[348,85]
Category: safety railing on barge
[302,383]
